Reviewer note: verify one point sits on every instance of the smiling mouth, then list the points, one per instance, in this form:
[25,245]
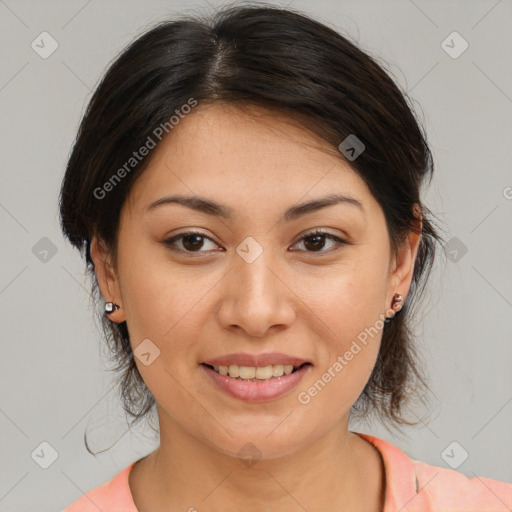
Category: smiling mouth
[256,373]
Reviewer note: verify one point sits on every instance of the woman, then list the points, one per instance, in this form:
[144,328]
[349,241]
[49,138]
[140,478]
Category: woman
[247,191]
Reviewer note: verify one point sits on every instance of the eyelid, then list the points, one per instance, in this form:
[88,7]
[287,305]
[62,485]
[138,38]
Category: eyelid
[322,231]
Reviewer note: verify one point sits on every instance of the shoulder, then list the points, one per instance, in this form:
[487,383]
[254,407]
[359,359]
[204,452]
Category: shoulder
[114,496]
[454,490]
[414,486]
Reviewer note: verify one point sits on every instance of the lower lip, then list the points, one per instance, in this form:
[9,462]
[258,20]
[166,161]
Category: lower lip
[257,391]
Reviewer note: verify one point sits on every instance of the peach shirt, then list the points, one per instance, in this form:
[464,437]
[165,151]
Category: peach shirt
[411,486]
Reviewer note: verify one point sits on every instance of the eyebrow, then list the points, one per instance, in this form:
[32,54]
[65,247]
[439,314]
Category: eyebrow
[209,207]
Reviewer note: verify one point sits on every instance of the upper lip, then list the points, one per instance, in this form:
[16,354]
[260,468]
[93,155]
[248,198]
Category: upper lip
[244,359]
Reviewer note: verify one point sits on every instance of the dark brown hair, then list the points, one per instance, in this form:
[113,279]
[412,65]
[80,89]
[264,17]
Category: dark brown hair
[284,61]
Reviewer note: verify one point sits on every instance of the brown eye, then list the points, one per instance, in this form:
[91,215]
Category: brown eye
[191,242]
[315,241]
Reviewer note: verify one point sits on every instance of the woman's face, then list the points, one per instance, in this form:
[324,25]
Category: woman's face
[254,282]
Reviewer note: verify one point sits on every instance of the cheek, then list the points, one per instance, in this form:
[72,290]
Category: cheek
[346,365]
[164,307]
[348,299]
[350,309]
[157,294]
[166,304]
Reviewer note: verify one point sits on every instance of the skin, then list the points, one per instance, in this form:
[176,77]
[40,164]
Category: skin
[310,302]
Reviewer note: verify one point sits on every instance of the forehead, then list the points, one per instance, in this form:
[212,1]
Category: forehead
[252,136]
[247,157]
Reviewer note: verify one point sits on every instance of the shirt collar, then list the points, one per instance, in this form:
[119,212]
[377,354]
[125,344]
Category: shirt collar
[400,475]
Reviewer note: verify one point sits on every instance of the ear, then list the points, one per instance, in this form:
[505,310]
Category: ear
[107,278]
[402,266]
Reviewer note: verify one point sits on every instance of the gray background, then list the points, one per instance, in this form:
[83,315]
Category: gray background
[53,375]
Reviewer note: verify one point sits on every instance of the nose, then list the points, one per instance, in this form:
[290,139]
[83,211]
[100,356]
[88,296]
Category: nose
[256,296]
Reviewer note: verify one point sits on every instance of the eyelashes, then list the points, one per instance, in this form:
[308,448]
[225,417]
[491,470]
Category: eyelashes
[195,238]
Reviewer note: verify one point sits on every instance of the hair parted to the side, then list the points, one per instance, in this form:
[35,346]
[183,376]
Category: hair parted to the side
[285,61]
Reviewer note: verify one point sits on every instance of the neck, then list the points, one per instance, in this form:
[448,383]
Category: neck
[338,471]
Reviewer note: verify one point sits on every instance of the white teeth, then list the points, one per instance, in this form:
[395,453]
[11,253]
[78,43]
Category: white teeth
[246,372]
[277,370]
[234,370]
[253,372]
[264,372]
